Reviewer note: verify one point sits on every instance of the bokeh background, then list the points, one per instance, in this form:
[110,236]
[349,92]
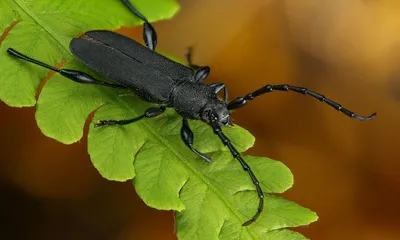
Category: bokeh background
[345,170]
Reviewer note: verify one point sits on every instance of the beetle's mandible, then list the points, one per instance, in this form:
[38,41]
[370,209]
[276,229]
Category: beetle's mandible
[160,80]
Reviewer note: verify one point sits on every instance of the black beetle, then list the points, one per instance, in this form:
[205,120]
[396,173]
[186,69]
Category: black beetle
[157,79]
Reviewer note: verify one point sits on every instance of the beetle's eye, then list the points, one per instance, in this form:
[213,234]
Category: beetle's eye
[214,117]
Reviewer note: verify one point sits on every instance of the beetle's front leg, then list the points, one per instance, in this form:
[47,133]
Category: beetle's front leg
[149,113]
[187,137]
[149,33]
[218,87]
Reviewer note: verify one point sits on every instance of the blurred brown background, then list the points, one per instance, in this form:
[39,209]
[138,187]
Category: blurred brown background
[345,170]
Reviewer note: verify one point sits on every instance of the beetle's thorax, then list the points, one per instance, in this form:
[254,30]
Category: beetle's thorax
[190,98]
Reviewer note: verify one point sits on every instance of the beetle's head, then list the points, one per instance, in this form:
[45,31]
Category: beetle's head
[217,111]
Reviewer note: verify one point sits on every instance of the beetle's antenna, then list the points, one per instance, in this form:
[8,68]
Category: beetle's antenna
[241,101]
[218,131]
[17,54]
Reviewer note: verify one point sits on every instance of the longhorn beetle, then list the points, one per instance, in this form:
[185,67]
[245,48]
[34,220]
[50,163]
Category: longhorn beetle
[160,80]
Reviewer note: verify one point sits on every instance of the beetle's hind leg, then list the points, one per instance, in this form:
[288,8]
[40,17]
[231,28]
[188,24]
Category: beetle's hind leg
[149,33]
[149,113]
[74,75]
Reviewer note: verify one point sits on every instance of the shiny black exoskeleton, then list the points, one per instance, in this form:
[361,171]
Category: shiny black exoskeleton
[157,79]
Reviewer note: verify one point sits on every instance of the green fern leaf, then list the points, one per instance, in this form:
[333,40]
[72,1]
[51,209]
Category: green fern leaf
[211,200]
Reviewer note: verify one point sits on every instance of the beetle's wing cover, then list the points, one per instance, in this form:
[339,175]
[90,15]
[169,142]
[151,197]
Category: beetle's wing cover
[149,84]
[142,54]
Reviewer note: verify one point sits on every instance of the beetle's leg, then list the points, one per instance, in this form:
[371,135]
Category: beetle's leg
[74,75]
[218,87]
[201,72]
[149,33]
[187,138]
[149,113]
[241,101]
[218,131]
[189,52]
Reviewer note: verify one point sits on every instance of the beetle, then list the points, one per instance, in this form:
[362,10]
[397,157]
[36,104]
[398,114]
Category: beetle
[157,79]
